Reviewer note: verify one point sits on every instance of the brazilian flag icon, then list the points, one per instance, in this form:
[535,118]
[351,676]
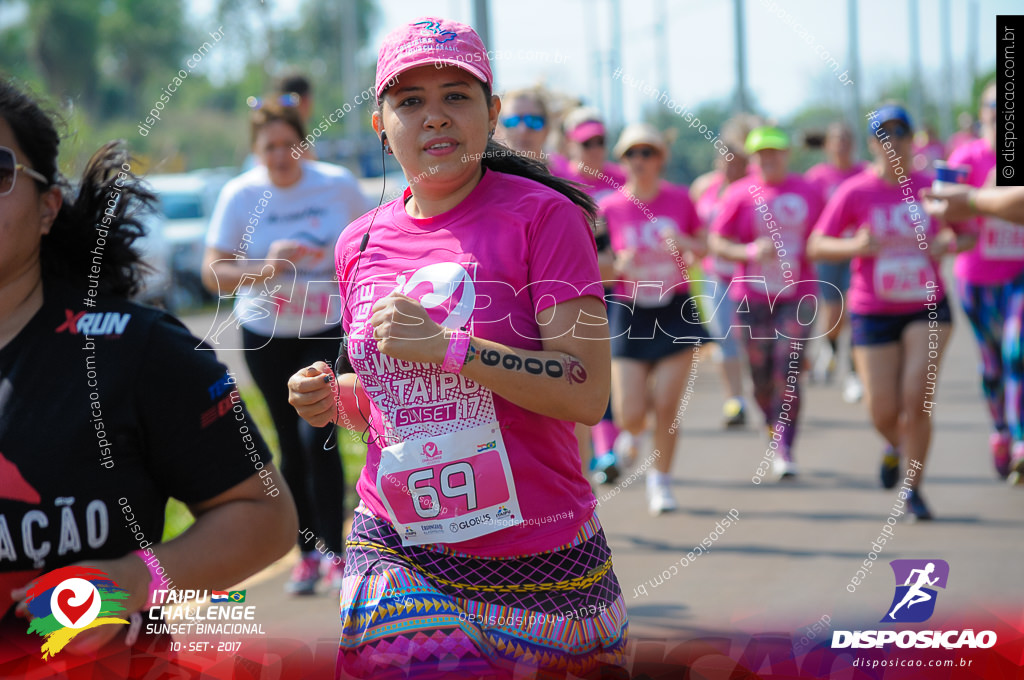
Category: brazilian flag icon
[237,596]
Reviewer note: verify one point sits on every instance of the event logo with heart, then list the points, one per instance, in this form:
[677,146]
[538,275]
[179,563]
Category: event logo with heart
[69,600]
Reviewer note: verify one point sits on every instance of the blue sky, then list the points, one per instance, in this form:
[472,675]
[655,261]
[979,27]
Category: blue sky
[554,41]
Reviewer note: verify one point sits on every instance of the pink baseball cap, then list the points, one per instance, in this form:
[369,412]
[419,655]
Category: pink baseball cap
[430,40]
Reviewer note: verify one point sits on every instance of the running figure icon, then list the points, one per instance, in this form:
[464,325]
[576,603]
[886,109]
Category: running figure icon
[916,595]
[257,308]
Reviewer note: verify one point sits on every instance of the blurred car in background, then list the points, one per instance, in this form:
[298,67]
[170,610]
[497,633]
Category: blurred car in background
[175,237]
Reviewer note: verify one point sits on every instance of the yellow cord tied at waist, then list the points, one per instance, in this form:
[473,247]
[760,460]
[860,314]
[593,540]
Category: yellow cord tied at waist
[585,581]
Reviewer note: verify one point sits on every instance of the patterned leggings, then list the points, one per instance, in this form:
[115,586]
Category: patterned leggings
[996,313]
[774,370]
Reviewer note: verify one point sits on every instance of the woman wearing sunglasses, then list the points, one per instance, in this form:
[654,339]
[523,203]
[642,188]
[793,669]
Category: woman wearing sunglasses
[990,283]
[269,247]
[899,316]
[653,228]
[475,324]
[107,409]
[523,124]
[763,225]
[586,138]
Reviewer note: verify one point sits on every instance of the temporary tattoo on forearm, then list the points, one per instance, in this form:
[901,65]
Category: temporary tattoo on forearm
[574,370]
[568,367]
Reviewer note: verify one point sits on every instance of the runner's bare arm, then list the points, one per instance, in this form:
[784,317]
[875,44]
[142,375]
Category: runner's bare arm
[696,244]
[320,399]
[222,271]
[963,202]
[833,248]
[739,252]
[236,533]
[949,242]
[241,529]
[568,379]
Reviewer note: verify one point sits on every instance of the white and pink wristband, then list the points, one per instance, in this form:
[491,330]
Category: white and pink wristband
[458,349]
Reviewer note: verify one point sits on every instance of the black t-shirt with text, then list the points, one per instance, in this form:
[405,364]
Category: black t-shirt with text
[102,409]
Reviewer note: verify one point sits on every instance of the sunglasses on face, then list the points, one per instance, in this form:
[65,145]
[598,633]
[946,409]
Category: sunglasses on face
[291,99]
[9,167]
[593,142]
[531,120]
[899,131]
[641,152]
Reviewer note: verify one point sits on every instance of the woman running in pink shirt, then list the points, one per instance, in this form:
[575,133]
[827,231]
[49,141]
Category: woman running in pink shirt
[475,549]
[655,324]
[899,315]
[990,285]
[763,225]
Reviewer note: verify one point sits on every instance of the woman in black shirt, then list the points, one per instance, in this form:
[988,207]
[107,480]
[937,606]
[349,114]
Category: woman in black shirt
[108,408]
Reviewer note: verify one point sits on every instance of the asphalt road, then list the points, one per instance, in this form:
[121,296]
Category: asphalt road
[788,559]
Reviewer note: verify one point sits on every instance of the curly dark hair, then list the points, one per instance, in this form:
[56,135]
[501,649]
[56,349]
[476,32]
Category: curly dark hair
[108,203]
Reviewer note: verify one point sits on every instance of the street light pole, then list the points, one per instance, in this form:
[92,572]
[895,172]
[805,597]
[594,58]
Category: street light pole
[741,105]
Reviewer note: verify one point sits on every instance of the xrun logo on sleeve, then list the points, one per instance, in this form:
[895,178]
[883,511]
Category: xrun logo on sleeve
[914,602]
[94,323]
[69,600]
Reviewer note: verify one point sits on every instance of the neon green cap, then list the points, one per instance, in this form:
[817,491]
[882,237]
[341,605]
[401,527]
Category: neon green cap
[766,138]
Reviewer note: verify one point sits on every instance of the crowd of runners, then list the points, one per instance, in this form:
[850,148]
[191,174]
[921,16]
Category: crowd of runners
[753,256]
[520,326]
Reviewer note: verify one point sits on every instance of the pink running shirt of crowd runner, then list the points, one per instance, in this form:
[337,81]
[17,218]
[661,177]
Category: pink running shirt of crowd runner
[708,204]
[630,228]
[828,177]
[998,256]
[597,186]
[512,231]
[894,281]
[793,205]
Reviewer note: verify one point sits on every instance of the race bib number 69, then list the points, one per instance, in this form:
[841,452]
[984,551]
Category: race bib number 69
[449,488]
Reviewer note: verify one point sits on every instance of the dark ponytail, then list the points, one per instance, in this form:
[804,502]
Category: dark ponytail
[100,226]
[501,158]
[101,217]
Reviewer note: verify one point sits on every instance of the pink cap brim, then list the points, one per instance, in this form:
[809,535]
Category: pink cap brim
[586,131]
[389,79]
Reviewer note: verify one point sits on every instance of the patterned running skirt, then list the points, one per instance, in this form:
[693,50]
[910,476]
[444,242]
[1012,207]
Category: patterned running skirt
[432,612]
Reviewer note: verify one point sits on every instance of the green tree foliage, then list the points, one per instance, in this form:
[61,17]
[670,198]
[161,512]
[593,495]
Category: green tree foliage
[140,39]
[64,39]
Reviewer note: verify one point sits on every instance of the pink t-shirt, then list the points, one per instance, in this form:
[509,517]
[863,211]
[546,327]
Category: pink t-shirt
[707,207]
[999,255]
[558,165]
[510,249]
[630,228]
[959,139]
[611,179]
[785,213]
[894,281]
[828,177]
